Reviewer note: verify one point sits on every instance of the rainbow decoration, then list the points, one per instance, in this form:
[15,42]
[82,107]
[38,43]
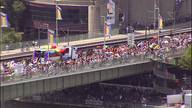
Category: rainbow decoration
[111,5]
[4,21]
[155,3]
[59,13]
[160,22]
[107,29]
[51,36]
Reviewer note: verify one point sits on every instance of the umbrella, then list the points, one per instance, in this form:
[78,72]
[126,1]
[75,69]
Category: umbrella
[31,64]
[155,37]
[166,42]
[175,39]
[98,47]
[167,37]
[107,53]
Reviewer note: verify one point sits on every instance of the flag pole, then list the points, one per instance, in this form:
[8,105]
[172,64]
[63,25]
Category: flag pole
[154,13]
[56,25]
[1,39]
[48,40]
[158,28]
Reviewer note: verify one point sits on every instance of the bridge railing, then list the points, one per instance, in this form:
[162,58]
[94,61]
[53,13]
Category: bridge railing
[61,39]
[76,68]
[164,74]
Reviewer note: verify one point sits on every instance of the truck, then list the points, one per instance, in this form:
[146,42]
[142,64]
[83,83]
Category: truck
[188,100]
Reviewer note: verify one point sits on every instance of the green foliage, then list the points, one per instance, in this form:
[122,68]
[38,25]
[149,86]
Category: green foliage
[14,10]
[185,61]
[11,37]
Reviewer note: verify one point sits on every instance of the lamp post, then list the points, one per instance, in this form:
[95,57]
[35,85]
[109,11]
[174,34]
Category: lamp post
[104,30]
[48,38]
[56,22]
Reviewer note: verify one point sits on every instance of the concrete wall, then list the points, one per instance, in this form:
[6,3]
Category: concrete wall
[185,9]
[135,10]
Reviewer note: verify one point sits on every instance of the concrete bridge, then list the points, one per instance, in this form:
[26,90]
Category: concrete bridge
[11,90]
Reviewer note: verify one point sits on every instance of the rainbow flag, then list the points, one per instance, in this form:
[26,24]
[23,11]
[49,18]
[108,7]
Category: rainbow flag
[160,22]
[59,13]
[51,36]
[107,29]
[155,3]
[4,21]
[111,5]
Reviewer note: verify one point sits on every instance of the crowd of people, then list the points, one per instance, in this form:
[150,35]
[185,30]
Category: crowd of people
[30,67]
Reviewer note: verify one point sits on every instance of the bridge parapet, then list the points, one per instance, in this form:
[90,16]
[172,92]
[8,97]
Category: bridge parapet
[165,75]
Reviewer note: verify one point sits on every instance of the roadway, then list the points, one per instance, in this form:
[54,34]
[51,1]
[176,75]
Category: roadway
[12,54]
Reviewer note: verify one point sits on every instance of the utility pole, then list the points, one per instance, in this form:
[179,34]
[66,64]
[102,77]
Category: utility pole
[104,30]
[39,36]
[67,36]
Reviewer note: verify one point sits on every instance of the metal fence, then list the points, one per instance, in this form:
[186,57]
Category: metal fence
[82,67]
[61,39]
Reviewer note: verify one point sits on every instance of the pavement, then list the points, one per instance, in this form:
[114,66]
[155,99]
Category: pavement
[17,52]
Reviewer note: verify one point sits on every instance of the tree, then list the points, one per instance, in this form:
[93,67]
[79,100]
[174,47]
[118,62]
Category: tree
[11,37]
[185,61]
[14,10]
[18,7]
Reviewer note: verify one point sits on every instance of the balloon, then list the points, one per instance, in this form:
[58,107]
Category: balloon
[40,48]
[43,48]
[155,37]
[51,52]
[49,46]
[53,46]
[57,50]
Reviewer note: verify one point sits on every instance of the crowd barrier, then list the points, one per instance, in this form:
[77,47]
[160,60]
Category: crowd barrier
[82,67]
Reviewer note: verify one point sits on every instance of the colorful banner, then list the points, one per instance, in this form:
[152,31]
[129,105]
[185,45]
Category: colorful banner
[59,13]
[160,22]
[155,3]
[4,21]
[107,29]
[111,5]
[51,36]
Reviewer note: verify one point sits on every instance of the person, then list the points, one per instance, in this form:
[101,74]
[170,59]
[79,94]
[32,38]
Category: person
[22,48]
[33,44]
[36,44]
[27,48]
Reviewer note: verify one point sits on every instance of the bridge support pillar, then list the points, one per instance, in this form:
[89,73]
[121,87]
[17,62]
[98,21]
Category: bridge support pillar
[93,19]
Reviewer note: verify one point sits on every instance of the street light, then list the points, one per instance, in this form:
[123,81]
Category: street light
[104,30]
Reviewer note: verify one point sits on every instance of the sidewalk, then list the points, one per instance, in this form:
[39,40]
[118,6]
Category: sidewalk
[92,40]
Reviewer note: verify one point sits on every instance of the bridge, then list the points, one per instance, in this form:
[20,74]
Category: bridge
[35,83]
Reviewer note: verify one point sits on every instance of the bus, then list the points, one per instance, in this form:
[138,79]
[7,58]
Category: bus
[55,53]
